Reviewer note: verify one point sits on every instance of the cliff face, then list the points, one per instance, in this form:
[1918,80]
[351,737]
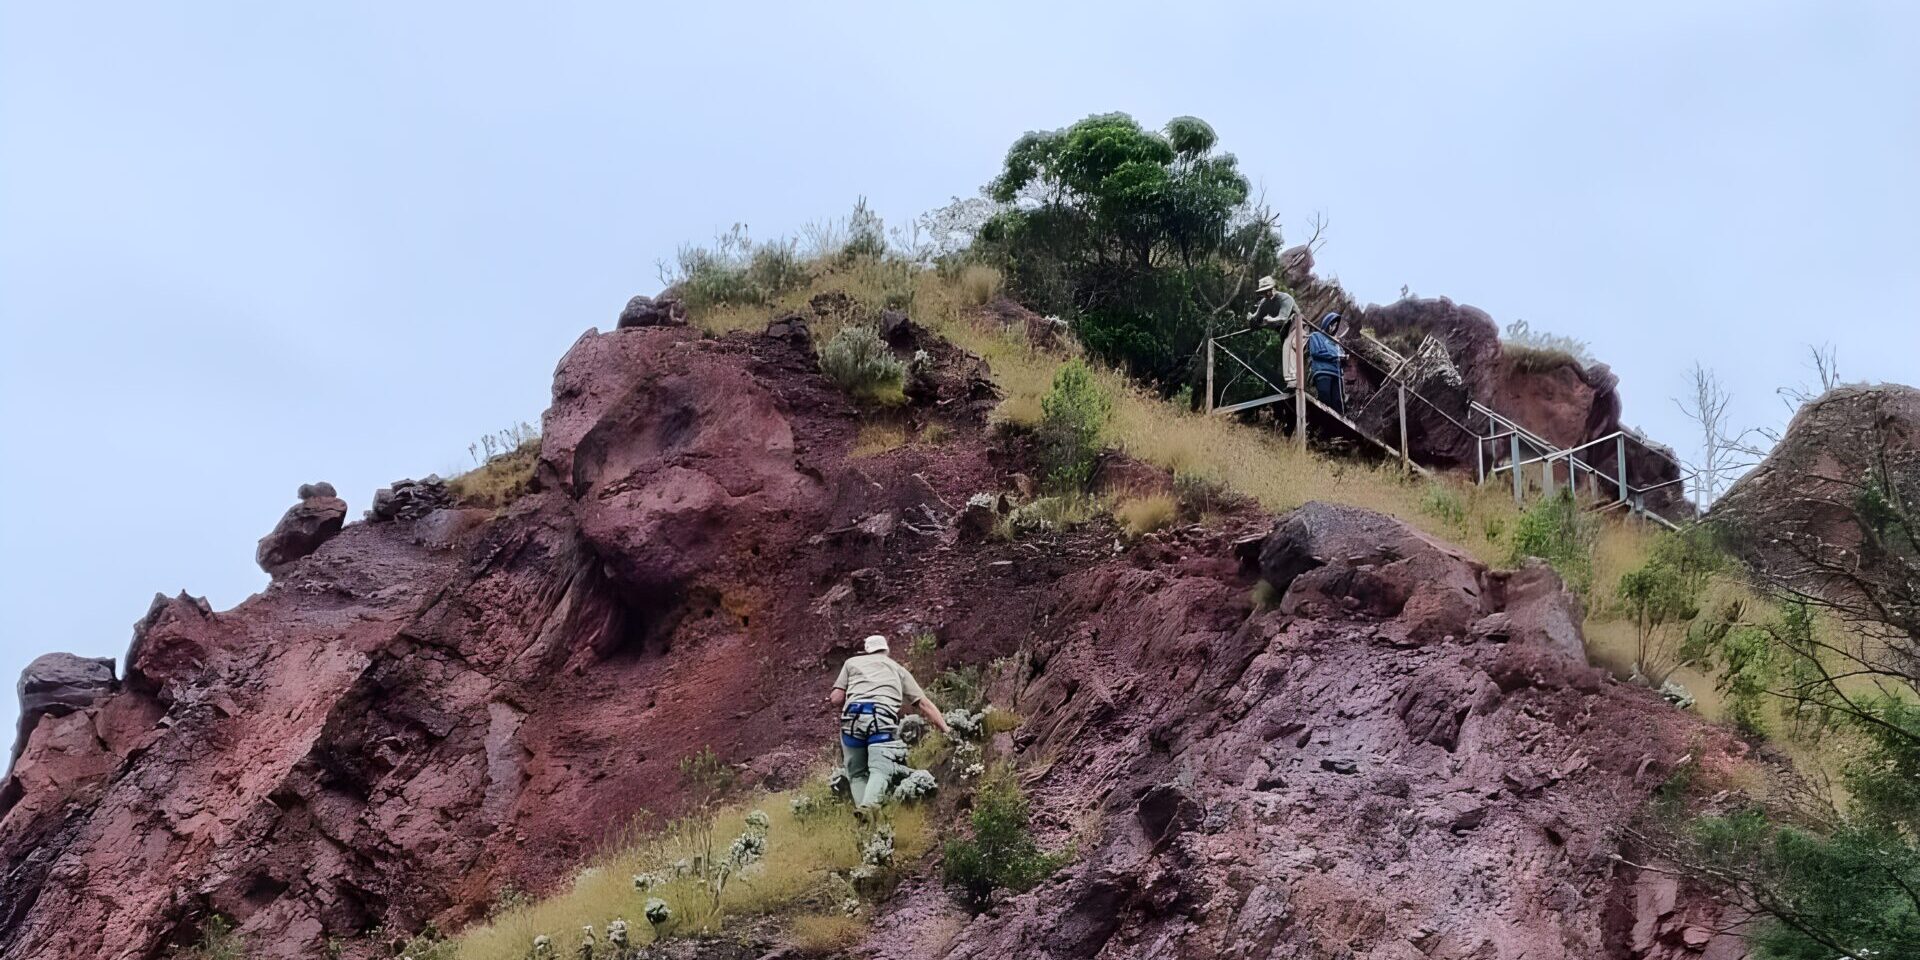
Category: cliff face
[1407,754]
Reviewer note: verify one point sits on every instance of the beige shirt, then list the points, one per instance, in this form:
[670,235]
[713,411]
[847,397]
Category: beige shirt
[877,678]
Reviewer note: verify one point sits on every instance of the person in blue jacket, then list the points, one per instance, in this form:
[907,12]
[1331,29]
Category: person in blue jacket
[1324,357]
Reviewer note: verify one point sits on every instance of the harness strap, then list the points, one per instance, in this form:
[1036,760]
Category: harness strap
[865,722]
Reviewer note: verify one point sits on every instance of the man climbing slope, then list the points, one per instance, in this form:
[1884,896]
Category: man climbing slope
[1324,358]
[1278,309]
[869,693]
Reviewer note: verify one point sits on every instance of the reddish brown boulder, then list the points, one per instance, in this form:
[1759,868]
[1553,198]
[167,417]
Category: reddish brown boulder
[306,525]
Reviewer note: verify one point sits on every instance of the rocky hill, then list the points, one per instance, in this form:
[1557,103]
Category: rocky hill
[1404,755]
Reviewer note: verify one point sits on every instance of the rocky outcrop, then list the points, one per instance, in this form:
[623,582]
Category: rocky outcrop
[665,310]
[56,684]
[305,526]
[423,716]
[1328,781]
[1790,514]
[410,499]
[1406,753]
[1561,399]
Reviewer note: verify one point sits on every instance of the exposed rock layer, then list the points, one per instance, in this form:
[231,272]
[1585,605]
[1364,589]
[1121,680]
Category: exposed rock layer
[1407,753]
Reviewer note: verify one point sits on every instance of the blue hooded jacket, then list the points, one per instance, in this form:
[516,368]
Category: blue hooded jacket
[1323,353]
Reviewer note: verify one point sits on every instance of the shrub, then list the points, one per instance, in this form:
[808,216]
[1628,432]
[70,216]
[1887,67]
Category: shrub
[857,361]
[1200,495]
[1444,504]
[735,270]
[1143,515]
[1073,416]
[1001,853]
[963,687]
[1847,894]
[1663,594]
[1557,530]
[866,234]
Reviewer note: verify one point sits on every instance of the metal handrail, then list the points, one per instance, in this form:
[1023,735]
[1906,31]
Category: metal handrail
[1499,427]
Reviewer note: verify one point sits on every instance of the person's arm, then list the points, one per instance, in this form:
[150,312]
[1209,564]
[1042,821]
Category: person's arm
[933,715]
[838,698]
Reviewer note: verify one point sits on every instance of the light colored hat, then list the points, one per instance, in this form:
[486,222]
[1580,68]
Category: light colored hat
[1266,283]
[876,643]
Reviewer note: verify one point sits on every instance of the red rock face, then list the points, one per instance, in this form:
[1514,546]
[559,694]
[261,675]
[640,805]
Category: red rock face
[1337,780]
[422,711]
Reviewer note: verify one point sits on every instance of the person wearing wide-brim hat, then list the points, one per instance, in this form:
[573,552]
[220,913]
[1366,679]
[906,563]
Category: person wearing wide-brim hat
[1276,309]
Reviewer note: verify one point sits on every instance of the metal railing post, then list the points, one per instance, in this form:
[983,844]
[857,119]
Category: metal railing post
[1209,370]
[1514,438]
[1620,463]
[1406,462]
[1300,379]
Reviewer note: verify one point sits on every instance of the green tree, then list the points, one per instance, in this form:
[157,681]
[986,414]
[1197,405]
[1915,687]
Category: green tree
[1073,419]
[1140,238]
[1001,853]
[1833,878]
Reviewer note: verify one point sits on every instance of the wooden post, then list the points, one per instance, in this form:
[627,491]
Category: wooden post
[1406,462]
[1519,494]
[1546,475]
[1300,380]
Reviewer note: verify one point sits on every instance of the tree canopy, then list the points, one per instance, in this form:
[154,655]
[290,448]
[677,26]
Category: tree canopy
[1138,237]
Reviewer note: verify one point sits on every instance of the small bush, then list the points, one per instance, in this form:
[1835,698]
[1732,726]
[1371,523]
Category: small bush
[857,360]
[963,687]
[1002,853]
[1443,504]
[1073,417]
[1264,596]
[1200,495]
[935,434]
[1144,515]
[1557,530]
[735,271]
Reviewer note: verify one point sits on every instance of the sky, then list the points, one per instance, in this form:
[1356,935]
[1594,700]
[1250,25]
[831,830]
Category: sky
[245,246]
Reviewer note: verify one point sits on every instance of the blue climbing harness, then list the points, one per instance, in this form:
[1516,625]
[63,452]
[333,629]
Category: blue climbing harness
[866,722]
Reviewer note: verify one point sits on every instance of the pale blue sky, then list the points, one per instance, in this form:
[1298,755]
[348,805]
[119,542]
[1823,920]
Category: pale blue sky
[244,245]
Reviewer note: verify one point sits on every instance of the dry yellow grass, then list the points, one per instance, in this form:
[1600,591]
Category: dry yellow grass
[801,852]
[979,284]
[1251,460]
[818,934]
[1143,515]
[878,438]
[499,481]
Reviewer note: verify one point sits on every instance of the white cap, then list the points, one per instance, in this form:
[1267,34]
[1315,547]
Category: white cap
[876,643]
[1266,283]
